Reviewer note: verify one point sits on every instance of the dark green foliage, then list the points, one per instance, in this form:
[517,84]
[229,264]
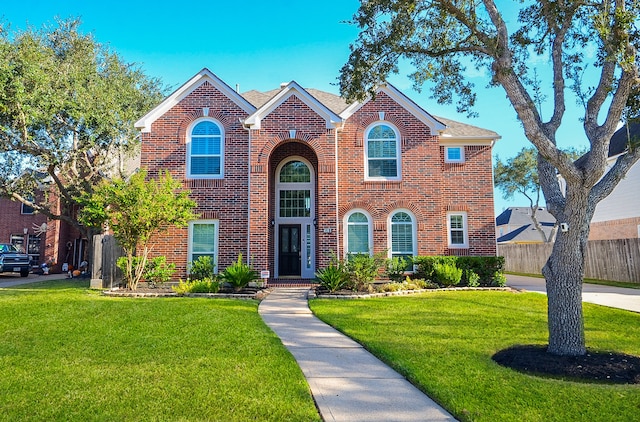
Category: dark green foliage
[158,271]
[363,270]
[447,275]
[396,267]
[334,277]
[239,274]
[484,266]
[202,268]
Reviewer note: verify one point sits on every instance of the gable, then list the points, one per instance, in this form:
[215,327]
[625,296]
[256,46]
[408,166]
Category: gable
[202,77]
[332,120]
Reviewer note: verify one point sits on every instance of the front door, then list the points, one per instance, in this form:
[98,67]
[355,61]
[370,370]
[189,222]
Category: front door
[289,251]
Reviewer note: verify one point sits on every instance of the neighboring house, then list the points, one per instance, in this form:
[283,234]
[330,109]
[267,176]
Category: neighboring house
[46,241]
[515,225]
[294,176]
[618,215]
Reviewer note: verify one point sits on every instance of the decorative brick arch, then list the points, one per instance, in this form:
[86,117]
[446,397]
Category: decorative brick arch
[300,136]
[406,204]
[370,118]
[363,205]
[197,114]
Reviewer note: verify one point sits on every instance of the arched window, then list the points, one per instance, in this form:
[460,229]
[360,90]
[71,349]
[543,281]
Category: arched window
[205,151]
[403,235]
[295,190]
[382,153]
[358,233]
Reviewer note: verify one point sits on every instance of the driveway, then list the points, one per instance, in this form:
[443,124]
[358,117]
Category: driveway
[614,297]
[14,279]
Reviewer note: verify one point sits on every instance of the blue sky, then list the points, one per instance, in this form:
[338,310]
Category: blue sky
[258,45]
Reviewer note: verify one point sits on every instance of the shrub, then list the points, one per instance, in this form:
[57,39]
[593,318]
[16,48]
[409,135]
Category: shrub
[334,277]
[363,270]
[158,271]
[484,266]
[395,267]
[499,279]
[202,268]
[239,274]
[473,279]
[206,285]
[447,274]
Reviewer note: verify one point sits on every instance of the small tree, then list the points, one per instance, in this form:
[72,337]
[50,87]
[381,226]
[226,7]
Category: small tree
[519,174]
[136,210]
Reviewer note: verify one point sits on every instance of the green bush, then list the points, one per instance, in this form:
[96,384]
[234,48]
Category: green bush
[202,268]
[499,279]
[239,274]
[334,277]
[205,285]
[472,279]
[396,267]
[158,272]
[447,274]
[363,270]
[484,266]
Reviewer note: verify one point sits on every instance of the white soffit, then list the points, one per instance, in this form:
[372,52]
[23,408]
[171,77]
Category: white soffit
[205,75]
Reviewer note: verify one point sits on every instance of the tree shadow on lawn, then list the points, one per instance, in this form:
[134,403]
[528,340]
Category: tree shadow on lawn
[601,367]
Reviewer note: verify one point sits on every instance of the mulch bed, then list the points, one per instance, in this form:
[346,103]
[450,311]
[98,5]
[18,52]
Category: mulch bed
[607,367]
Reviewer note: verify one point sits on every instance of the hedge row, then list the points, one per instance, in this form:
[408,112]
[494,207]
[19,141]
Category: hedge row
[486,267]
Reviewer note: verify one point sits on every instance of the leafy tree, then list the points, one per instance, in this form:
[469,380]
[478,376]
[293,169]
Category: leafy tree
[588,48]
[137,210]
[519,174]
[67,112]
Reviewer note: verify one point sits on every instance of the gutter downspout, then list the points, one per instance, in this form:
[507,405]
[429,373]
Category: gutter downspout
[248,129]
[338,226]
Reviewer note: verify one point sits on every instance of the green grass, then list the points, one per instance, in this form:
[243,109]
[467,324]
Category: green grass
[443,343]
[69,353]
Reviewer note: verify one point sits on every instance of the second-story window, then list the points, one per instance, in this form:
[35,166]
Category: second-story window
[382,153]
[205,151]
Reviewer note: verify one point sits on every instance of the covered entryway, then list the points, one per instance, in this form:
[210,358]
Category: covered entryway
[294,218]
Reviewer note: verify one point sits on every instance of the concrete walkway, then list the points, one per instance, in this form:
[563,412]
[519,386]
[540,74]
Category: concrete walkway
[347,382]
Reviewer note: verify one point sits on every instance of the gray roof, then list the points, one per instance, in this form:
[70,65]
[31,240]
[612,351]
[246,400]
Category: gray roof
[523,230]
[337,104]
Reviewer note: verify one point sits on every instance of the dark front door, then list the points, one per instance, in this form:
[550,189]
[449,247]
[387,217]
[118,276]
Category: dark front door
[289,254]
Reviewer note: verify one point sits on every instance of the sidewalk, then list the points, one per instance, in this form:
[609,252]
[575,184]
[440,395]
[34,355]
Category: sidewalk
[347,382]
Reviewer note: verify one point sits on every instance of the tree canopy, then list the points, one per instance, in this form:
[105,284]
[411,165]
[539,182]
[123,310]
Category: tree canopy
[67,110]
[589,52]
[136,210]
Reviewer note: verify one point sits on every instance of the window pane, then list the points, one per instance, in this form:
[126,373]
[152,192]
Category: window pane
[401,234]
[457,237]
[382,149]
[203,238]
[454,154]
[358,217]
[358,239]
[295,172]
[382,132]
[456,222]
[206,128]
[205,165]
[205,146]
[295,203]
[383,168]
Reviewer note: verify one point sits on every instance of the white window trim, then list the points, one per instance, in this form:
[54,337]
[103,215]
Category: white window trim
[22,206]
[215,242]
[446,154]
[465,229]
[414,232]
[345,223]
[188,146]
[366,153]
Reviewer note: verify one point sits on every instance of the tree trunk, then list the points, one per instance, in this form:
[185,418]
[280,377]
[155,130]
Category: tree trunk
[564,272]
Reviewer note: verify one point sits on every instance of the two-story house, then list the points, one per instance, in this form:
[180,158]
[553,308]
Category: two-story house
[294,176]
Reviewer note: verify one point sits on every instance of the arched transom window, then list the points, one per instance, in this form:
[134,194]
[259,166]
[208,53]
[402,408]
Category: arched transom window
[295,190]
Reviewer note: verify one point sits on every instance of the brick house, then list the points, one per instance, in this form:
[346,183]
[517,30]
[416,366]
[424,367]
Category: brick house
[291,176]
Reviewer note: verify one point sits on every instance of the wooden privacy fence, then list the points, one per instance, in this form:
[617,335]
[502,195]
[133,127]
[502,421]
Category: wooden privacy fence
[613,260]
[106,251]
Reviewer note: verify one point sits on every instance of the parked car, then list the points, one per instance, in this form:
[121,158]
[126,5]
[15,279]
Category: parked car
[13,261]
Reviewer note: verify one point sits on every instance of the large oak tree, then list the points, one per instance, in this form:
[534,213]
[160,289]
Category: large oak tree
[589,51]
[67,110]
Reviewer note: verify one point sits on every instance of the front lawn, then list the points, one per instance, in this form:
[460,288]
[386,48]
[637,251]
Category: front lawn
[443,343]
[69,353]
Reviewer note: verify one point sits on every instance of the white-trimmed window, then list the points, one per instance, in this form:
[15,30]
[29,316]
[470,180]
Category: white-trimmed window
[358,233]
[402,238]
[382,153]
[203,241]
[26,209]
[454,154]
[458,235]
[205,150]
